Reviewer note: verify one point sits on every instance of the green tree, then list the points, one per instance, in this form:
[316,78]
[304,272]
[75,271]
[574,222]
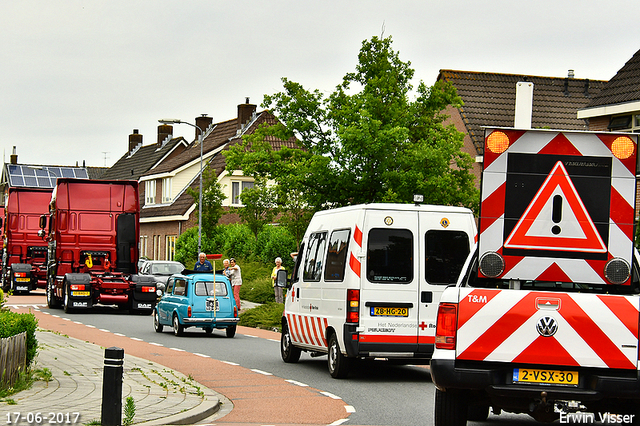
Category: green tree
[259,205]
[212,198]
[364,142]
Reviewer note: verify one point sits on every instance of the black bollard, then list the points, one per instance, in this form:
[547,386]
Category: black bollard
[112,387]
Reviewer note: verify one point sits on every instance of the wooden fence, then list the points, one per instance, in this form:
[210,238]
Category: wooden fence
[13,358]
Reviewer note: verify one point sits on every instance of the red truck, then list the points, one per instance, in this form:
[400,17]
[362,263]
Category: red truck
[93,232]
[24,260]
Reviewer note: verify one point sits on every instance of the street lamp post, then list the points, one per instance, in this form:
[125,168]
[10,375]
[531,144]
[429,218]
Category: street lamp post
[200,140]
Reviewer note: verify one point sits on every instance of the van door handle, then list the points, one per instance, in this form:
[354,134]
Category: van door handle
[297,293]
[426,297]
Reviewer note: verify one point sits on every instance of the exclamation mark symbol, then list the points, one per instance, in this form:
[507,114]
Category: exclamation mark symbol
[556,213]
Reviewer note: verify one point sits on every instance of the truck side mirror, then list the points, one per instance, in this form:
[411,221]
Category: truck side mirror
[281,278]
[43,222]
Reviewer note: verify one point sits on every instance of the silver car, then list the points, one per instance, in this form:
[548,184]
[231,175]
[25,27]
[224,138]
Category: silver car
[161,270]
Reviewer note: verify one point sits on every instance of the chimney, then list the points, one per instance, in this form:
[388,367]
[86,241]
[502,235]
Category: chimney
[164,131]
[203,122]
[524,105]
[135,139]
[14,156]
[571,74]
[245,112]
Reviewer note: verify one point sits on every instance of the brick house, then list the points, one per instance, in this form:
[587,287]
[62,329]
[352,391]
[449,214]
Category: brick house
[167,209]
[489,100]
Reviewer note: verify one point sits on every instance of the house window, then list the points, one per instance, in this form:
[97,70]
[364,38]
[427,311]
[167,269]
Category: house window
[236,189]
[150,192]
[166,190]
[143,245]
[170,246]
[156,247]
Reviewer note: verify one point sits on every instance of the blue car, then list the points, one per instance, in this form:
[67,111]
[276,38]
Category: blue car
[195,299]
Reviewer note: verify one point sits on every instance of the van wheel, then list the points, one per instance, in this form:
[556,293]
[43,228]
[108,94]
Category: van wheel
[289,353]
[231,331]
[450,408]
[478,413]
[208,330]
[52,302]
[67,302]
[156,322]
[178,329]
[337,362]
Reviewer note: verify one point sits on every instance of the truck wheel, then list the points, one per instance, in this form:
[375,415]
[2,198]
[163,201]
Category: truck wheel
[67,302]
[450,408]
[52,302]
[289,353]
[208,330]
[178,329]
[156,322]
[231,331]
[338,363]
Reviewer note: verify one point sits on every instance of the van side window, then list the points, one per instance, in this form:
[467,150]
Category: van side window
[169,288]
[180,288]
[337,255]
[390,256]
[313,257]
[446,252]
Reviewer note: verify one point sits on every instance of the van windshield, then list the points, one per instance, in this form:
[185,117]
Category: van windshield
[390,256]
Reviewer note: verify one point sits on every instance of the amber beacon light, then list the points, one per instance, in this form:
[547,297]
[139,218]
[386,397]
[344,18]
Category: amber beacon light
[498,142]
[622,147]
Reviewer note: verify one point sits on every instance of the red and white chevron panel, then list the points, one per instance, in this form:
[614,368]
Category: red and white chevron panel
[308,329]
[354,263]
[585,269]
[496,325]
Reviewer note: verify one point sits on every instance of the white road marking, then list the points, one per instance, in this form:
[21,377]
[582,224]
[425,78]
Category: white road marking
[202,355]
[330,395]
[230,363]
[155,344]
[293,382]
[261,372]
[350,408]
[119,334]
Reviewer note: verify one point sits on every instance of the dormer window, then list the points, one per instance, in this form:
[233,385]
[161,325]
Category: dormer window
[166,190]
[150,192]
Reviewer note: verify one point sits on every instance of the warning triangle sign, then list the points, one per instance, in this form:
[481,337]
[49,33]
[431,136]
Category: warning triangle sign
[556,219]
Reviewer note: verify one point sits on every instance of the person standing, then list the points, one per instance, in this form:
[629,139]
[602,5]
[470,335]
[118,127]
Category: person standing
[277,290]
[203,265]
[225,268]
[236,280]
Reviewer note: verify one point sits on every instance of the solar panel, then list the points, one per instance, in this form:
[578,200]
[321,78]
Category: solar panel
[42,176]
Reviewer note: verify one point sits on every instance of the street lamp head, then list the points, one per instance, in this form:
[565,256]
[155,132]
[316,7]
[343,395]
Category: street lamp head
[170,121]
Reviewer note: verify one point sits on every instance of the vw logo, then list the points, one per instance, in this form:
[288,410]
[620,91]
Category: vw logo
[547,326]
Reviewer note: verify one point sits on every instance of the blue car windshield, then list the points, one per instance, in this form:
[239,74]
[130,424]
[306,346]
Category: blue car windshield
[205,288]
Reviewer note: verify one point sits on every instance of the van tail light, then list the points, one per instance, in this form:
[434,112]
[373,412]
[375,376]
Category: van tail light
[20,274]
[148,289]
[446,326]
[235,312]
[353,306]
[189,311]
[77,287]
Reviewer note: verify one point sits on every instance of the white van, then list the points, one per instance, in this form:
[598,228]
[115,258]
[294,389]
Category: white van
[368,279]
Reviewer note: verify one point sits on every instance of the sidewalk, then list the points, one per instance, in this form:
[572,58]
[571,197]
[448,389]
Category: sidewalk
[161,396]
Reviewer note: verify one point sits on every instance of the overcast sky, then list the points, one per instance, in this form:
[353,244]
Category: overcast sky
[77,76]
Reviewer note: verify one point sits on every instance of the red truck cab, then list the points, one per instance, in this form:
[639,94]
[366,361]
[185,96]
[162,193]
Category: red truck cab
[24,266]
[93,233]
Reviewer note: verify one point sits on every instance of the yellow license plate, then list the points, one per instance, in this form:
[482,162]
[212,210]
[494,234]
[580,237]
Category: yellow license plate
[80,293]
[23,280]
[377,311]
[554,377]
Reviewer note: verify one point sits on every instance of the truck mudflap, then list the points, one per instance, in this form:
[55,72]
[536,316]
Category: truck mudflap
[77,291]
[143,292]
[21,278]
